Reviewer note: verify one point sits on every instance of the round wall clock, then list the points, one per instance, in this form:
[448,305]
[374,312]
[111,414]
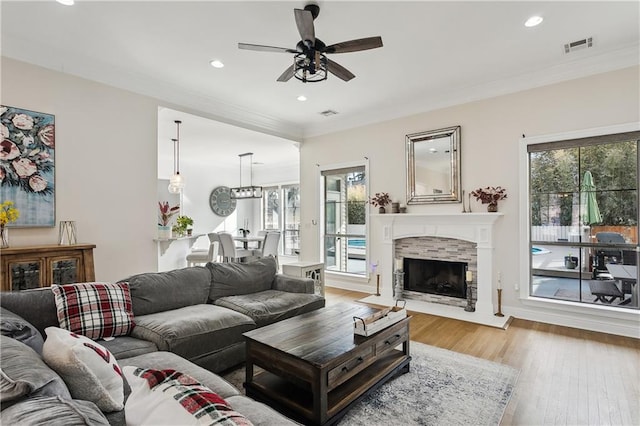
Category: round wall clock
[221,202]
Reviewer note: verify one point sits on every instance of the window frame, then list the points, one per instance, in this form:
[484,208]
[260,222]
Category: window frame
[610,311]
[321,228]
[281,190]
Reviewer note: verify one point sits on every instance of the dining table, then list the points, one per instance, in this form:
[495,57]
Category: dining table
[628,273]
[248,239]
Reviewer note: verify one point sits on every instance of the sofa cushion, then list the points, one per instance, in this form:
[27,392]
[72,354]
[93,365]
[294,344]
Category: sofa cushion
[89,369]
[172,397]
[36,306]
[259,413]
[193,330]
[269,306]
[25,373]
[53,411]
[95,310]
[162,360]
[230,279]
[16,327]
[163,291]
[127,346]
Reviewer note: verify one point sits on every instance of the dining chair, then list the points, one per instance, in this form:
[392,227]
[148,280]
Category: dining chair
[230,253]
[269,246]
[197,256]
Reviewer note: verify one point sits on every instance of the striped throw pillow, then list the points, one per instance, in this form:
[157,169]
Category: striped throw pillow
[170,397]
[94,310]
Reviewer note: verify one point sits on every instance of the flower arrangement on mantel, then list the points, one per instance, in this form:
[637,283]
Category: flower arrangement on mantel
[166,213]
[490,195]
[380,199]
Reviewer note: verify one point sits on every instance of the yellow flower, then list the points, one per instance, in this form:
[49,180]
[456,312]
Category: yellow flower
[8,213]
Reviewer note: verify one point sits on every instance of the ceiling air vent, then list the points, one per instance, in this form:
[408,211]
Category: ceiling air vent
[328,112]
[578,45]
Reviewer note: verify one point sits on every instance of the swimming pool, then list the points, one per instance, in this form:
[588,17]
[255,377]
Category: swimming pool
[360,243]
[539,250]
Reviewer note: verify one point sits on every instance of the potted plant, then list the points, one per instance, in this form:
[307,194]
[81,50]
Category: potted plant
[490,195]
[570,262]
[164,217]
[182,223]
[380,199]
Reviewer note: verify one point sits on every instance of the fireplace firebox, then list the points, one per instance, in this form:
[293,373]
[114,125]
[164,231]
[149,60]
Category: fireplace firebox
[439,277]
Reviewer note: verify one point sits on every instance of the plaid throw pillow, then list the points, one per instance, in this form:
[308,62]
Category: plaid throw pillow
[171,397]
[95,310]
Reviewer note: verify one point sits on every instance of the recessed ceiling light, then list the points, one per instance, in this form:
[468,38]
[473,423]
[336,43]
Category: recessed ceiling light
[533,21]
[302,98]
[216,63]
[66,2]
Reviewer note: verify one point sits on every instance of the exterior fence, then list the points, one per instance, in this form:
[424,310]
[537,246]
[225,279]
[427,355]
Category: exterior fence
[573,233]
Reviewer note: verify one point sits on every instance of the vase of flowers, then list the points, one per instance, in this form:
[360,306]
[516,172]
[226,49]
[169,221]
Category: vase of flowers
[490,195]
[8,214]
[380,199]
[164,217]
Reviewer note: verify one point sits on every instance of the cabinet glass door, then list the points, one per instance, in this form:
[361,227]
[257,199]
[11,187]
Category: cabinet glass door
[64,271]
[25,274]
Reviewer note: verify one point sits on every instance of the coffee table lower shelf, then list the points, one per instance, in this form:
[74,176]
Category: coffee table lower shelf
[297,402]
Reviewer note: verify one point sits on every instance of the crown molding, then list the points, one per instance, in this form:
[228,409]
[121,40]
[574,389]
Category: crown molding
[625,57]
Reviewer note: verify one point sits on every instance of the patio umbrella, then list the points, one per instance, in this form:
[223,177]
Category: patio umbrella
[591,213]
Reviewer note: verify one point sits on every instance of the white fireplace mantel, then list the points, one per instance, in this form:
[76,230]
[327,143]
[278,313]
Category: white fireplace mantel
[474,227]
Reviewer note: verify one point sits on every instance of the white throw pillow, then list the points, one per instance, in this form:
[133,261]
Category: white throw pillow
[168,397]
[89,369]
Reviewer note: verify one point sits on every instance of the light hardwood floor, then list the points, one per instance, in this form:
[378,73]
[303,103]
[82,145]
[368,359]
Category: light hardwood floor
[567,376]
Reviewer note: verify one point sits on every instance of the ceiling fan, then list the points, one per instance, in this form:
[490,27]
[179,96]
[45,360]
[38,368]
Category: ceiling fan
[310,63]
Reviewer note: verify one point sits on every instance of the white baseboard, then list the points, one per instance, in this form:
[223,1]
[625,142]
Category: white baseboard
[617,326]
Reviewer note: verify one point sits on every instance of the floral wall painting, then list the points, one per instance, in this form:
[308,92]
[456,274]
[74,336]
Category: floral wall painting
[27,165]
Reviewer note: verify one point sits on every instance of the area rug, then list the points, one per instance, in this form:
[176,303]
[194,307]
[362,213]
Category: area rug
[441,388]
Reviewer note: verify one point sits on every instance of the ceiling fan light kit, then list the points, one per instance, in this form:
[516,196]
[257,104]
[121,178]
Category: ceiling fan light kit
[310,63]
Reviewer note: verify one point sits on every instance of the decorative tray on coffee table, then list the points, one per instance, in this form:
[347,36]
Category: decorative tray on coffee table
[372,324]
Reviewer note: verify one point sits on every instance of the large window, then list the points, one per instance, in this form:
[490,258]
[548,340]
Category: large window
[281,211]
[583,219]
[345,244]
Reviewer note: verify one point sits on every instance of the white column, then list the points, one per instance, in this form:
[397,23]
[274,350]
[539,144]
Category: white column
[484,304]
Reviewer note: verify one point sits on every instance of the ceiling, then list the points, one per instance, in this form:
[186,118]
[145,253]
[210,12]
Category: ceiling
[435,54]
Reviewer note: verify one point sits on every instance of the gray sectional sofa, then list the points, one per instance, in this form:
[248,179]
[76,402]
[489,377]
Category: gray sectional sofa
[190,320]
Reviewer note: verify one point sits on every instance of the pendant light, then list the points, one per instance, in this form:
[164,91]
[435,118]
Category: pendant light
[250,191]
[176,183]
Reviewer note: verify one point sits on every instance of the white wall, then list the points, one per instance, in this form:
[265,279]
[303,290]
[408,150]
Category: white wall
[106,171]
[490,134]
[105,165]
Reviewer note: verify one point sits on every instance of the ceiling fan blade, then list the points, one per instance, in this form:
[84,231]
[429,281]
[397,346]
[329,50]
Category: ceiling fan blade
[260,48]
[355,45]
[304,21]
[339,71]
[287,74]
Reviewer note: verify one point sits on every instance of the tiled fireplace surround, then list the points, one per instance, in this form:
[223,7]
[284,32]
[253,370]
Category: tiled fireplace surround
[466,237]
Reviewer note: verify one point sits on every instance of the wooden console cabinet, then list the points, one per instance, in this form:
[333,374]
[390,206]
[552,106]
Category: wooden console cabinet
[41,266]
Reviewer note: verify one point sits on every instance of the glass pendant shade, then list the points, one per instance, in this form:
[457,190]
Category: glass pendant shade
[176,184]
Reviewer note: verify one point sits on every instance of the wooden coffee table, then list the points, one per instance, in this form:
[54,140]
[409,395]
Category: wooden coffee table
[315,367]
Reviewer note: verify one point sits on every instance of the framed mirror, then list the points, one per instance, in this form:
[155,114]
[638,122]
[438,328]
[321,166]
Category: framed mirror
[433,166]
